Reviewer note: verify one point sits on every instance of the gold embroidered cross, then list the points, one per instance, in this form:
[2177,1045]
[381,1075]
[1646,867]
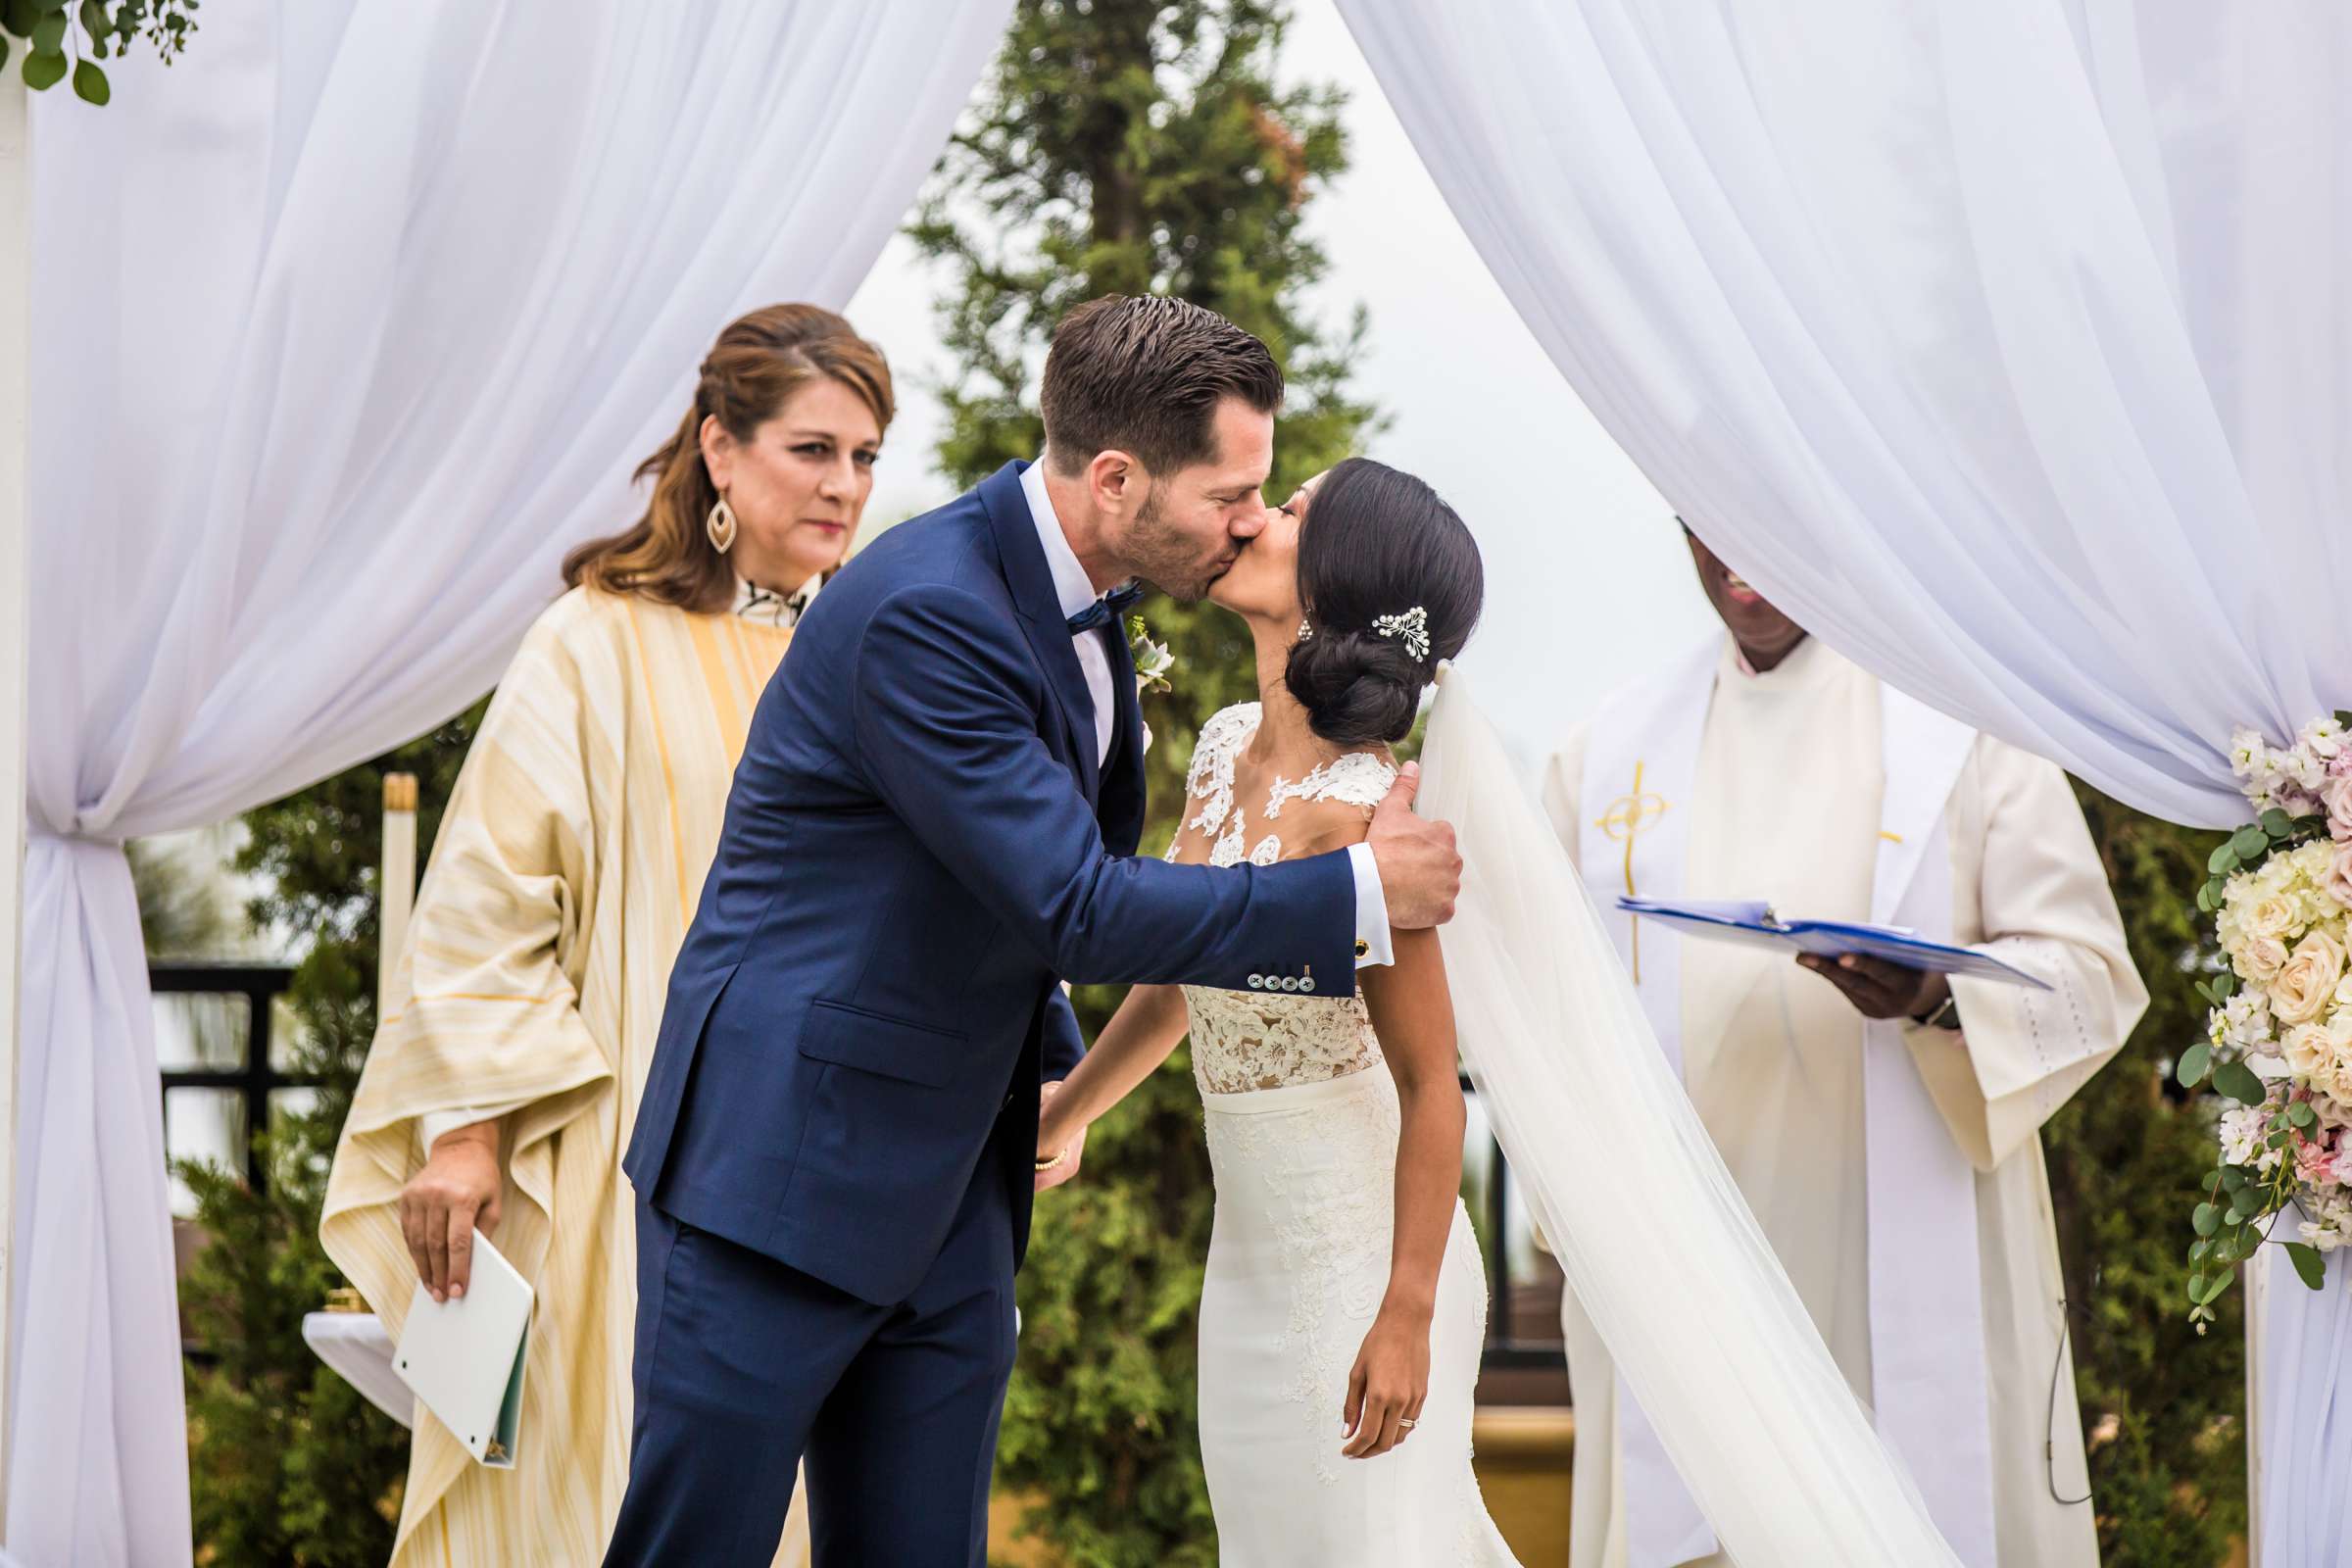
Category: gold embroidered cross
[1628,815]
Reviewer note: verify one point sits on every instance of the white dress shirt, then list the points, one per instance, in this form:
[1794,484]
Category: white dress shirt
[1076,591]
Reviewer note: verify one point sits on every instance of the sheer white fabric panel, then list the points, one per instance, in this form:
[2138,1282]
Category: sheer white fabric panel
[347,326]
[2002,342]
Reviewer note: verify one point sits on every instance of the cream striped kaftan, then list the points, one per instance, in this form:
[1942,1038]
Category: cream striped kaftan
[566,868]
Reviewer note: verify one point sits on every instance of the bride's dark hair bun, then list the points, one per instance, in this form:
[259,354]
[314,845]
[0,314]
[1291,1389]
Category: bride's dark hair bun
[1378,543]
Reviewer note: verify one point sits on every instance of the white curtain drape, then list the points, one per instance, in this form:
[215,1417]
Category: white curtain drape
[2005,343]
[2300,1402]
[346,326]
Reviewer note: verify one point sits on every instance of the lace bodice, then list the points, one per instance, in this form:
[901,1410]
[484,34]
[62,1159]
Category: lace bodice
[1246,1040]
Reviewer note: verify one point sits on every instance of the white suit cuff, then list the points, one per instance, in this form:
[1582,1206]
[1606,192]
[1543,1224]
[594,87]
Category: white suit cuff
[1371,909]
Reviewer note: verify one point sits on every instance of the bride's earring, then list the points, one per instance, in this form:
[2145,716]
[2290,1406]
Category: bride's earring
[720,525]
[1306,631]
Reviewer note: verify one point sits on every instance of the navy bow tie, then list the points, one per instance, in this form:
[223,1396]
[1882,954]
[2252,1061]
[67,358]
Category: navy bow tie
[1108,609]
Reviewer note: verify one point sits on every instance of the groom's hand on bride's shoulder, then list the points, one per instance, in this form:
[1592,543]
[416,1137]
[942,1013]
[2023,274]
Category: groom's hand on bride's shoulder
[1420,870]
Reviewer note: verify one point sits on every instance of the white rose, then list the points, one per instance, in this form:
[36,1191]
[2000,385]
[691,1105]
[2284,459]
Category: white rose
[2306,983]
[2336,1079]
[2273,915]
[2321,904]
[2307,1050]
[2260,960]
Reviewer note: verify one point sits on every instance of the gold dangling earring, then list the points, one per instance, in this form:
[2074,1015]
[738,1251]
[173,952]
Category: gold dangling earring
[720,525]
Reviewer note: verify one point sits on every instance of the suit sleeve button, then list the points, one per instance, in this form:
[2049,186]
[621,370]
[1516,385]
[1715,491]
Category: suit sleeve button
[1257,982]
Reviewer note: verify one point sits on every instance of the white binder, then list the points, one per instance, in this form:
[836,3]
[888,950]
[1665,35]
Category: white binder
[464,1358]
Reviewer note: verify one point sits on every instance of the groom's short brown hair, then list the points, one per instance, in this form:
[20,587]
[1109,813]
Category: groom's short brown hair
[1144,376]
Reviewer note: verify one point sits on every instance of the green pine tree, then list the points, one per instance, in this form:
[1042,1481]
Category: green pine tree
[1132,146]
[288,1464]
[2126,1158]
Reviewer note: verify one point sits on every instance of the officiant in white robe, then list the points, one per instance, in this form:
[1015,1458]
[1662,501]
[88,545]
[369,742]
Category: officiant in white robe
[1881,1122]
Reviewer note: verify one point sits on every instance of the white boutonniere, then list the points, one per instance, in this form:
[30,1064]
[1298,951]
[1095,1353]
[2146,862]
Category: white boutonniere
[1152,660]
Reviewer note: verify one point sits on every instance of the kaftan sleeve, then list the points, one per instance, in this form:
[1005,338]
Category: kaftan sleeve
[2024,858]
[484,1011]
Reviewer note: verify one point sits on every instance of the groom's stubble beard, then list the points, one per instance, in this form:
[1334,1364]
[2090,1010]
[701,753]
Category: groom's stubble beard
[1157,552]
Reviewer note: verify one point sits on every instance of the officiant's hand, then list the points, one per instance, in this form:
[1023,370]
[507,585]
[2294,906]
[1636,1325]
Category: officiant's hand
[1879,989]
[455,1194]
[1420,871]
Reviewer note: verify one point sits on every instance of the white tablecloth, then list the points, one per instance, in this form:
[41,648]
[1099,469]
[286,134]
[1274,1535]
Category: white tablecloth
[357,1347]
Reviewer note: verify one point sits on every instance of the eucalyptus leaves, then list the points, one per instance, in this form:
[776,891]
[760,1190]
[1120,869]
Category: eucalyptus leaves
[2279,1034]
[59,37]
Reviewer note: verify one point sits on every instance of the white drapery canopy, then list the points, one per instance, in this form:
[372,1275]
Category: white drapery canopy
[2002,342]
[345,332]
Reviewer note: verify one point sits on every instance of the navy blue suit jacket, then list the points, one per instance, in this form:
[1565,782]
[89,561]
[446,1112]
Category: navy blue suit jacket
[919,845]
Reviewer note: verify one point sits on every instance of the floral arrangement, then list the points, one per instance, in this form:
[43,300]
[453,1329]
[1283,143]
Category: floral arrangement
[2280,1034]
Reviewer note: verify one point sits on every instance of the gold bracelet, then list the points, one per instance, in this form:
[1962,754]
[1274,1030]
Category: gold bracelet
[1060,1156]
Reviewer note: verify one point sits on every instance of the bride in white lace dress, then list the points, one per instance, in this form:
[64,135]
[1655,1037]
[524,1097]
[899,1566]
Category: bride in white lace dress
[1344,1307]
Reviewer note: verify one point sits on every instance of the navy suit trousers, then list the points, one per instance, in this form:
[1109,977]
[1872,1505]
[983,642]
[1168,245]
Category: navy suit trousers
[744,1365]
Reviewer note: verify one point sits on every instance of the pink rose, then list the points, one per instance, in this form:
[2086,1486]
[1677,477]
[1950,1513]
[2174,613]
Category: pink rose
[2295,800]
[2315,1163]
[2338,796]
[2337,878]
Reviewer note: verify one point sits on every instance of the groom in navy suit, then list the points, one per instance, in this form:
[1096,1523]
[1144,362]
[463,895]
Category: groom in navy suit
[933,822]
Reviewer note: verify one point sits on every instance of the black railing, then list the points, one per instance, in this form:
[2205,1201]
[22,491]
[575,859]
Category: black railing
[254,1078]
[1506,1346]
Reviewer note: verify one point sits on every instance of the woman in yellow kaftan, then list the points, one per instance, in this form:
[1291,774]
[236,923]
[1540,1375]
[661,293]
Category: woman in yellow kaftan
[508,1062]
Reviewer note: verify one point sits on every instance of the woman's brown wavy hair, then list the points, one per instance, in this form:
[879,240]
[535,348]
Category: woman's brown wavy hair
[750,374]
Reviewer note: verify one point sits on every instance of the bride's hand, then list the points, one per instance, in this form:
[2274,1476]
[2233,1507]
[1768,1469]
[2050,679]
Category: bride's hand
[1388,1384]
[1052,1140]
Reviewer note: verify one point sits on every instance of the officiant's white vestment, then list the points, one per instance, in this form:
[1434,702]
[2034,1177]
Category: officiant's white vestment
[1897,1170]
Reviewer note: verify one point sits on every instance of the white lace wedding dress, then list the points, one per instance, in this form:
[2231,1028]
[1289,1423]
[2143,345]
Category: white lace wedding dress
[1303,1126]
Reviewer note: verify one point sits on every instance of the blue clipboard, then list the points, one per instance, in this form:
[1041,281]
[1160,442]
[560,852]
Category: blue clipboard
[1752,923]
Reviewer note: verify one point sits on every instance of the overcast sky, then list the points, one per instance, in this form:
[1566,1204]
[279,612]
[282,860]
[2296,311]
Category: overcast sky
[1587,579]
